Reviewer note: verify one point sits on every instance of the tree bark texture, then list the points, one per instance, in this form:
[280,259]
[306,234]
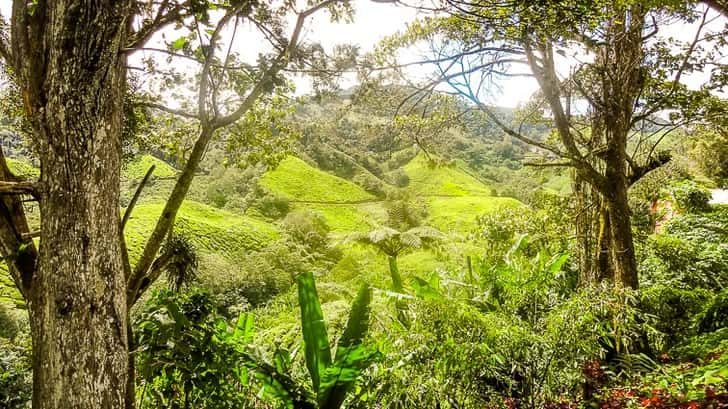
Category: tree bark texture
[618,78]
[70,70]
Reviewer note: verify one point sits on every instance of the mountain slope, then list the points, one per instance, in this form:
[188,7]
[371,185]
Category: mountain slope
[298,181]
[427,180]
[211,230]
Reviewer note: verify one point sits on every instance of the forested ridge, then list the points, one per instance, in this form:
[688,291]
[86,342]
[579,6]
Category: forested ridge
[185,230]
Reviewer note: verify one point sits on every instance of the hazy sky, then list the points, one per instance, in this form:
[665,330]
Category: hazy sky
[372,22]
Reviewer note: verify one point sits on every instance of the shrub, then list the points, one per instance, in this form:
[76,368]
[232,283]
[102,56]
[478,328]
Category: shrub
[700,346]
[672,311]
[716,315]
[704,227]
[399,178]
[690,196]
[370,183]
[270,204]
[711,153]
[682,263]
[405,213]
[12,321]
[16,384]
[347,268]
[255,278]
[307,228]
[186,356]
[455,355]
[445,356]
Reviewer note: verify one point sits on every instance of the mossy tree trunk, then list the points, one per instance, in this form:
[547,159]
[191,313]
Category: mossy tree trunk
[69,65]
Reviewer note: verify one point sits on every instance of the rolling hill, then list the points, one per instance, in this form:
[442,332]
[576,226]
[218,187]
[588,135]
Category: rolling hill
[298,181]
[454,199]
[427,180]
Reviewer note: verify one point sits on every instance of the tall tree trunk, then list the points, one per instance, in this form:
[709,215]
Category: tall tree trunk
[604,269]
[622,254]
[583,225]
[71,69]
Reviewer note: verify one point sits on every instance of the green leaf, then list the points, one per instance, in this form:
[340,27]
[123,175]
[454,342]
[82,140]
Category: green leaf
[179,43]
[282,360]
[180,320]
[244,328]
[315,338]
[555,264]
[277,386]
[358,324]
[351,357]
[425,290]
[338,379]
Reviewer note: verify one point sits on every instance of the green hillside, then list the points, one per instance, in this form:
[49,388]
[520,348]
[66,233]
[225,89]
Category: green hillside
[442,180]
[459,214]
[23,168]
[137,168]
[211,230]
[298,181]
[455,199]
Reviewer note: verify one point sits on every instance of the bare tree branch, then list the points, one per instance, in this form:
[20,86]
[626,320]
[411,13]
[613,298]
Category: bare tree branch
[135,198]
[19,188]
[163,108]
[166,15]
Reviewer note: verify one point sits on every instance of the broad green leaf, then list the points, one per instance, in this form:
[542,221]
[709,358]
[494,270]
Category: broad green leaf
[358,324]
[424,290]
[315,338]
[179,43]
[244,330]
[180,320]
[338,379]
[558,261]
[351,357]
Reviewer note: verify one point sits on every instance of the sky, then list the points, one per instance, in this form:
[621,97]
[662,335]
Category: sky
[375,20]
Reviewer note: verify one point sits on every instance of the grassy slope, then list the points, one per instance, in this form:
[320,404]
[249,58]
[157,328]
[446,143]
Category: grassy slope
[212,230]
[442,180]
[459,214]
[455,199]
[137,168]
[298,181]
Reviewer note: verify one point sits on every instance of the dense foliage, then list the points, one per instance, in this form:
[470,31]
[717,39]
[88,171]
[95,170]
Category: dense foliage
[378,256]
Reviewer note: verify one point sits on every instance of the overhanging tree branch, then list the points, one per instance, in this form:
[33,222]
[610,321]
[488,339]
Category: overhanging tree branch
[19,188]
[210,121]
[17,249]
[163,108]
[166,14]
